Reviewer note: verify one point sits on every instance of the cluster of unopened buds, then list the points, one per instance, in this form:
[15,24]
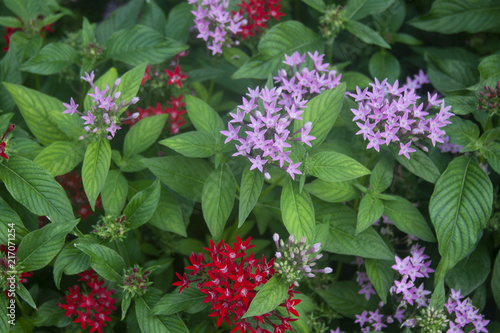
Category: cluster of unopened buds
[135,281]
[111,227]
[294,259]
[267,138]
[4,141]
[489,99]
[103,118]
[390,114]
[230,279]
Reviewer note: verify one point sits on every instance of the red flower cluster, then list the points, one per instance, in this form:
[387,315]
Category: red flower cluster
[72,183]
[3,144]
[92,308]
[175,112]
[229,280]
[176,76]
[257,13]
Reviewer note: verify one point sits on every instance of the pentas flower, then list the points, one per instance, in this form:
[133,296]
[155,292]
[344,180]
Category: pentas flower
[257,13]
[295,259]
[136,281]
[4,141]
[363,280]
[103,118]
[230,278]
[489,99]
[111,227]
[266,140]
[176,76]
[449,147]
[92,305]
[388,114]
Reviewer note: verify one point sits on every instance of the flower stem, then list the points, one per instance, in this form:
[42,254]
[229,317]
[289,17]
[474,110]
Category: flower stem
[267,190]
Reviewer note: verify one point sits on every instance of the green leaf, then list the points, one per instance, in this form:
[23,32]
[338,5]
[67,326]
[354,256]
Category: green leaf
[168,214]
[217,199]
[381,276]
[489,68]
[95,168]
[452,16]
[24,9]
[332,191]
[179,21]
[142,206]
[407,218]
[462,132]
[269,297]
[203,117]
[51,59]
[35,188]
[459,209]
[284,38]
[382,174]
[141,44]
[25,295]
[61,157]
[105,261]
[492,153]
[39,247]
[10,21]
[319,5]
[114,192]
[130,82]
[406,39]
[355,79]
[122,17]
[192,144]
[462,105]
[153,16]
[297,211]
[70,261]
[4,312]
[43,115]
[495,280]
[383,64]
[419,164]
[358,9]
[88,32]
[366,34]
[143,135]
[185,176]
[334,167]
[322,112]
[250,189]
[149,323]
[7,217]
[189,300]
[370,210]
[9,73]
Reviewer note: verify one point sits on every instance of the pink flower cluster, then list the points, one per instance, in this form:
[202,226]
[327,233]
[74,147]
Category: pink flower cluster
[389,113]
[363,280]
[266,139]
[464,313]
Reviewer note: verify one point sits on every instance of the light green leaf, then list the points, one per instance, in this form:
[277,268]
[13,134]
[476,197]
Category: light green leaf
[142,206]
[492,153]
[370,210]
[95,168]
[419,164]
[189,300]
[217,199]
[35,188]
[462,132]
[366,34]
[203,117]
[269,297]
[153,16]
[297,211]
[407,218]
[149,323]
[7,217]
[459,209]
[114,192]
[9,73]
[334,167]
[10,21]
[70,261]
[322,112]
[51,59]
[105,261]
[4,312]
[355,79]
[284,38]
[381,276]
[122,17]
[358,9]
[250,189]
[382,174]
[192,144]
[319,5]
[130,82]
[179,21]
[61,157]
[384,65]
[332,191]
[168,214]
[185,176]
[25,295]
[461,105]
[143,135]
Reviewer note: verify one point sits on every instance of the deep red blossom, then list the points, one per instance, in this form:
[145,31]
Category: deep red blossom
[176,76]
[257,13]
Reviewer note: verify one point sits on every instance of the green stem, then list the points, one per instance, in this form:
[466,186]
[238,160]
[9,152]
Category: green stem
[329,49]
[37,82]
[267,190]
[337,271]
[123,255]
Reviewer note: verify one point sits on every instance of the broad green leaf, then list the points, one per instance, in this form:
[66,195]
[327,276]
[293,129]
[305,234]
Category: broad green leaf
[43,115]
[462,132]
[9,73]
[168,214]
[319,5]
[130,82]
[492,153]
[70,261]
[153,16]
[141,44]
[189,300]
[332,191]
[322,112]
[284,38]
[24,9]
[26,46]
[406,39]
[114,192]
[358,9]
[122,17]
[407,218]
[179,21]
[297,211]
[334,167]
[35,188]
[143,135]
[495,280]
[95,168]
[355,79]
[150,323]
[49,314]
[461,105]
[88,32]
[10,21]
[185,176]
[7,217]
[459,209]
[419,164]
[25,295]
[370,210]
[39,247]
[105,261]
[51,59]
[366,34]
[471,272]
[269,297]
[61,157]
[381,276]
[192,144]
[250,189]
[142,206]
[4,313]
[203,117]
[217,199]
[382,174]
[383,64]
[452,16]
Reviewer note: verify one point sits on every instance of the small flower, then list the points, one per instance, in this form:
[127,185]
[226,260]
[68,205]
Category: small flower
[176,76]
